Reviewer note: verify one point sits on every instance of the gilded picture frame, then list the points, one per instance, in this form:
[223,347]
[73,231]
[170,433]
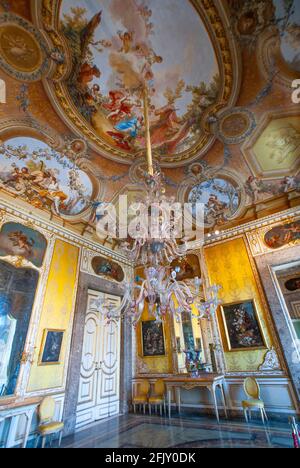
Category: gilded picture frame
[153,339]
[242,326]
[51,347]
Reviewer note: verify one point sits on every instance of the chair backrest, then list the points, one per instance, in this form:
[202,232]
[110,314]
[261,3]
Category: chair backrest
[143,387]
[251,388]
[159,388]
[46,410]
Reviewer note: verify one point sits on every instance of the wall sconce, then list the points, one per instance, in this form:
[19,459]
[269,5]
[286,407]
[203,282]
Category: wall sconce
[28,357]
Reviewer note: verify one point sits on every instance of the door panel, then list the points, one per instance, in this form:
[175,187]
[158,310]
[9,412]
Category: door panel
[100,366]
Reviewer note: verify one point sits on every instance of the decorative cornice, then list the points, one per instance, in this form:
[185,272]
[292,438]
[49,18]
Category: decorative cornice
[63,232]
[252,225]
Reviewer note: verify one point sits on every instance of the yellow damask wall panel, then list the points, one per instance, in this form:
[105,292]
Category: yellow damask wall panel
[159,364]
[229,265]
[56,314]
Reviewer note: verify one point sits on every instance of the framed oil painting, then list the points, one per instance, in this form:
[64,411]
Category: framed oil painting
[242,326]
[51,347]
[153,339]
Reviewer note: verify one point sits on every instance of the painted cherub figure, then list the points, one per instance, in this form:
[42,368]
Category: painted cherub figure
[127,41]
[21,241]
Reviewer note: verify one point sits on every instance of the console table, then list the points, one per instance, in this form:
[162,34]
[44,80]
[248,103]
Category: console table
[25,408]
[209,381]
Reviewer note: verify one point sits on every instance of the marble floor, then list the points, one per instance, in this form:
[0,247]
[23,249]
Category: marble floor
[187,431]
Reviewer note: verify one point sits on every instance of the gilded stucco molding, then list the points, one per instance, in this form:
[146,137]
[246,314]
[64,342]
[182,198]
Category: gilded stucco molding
[270,59]
[265,222]
[248,148]
[256,238]
[86,266]
[52,229]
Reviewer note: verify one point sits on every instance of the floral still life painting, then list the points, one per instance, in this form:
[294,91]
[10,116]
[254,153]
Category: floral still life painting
[118,48]
[242,326]
[153,339]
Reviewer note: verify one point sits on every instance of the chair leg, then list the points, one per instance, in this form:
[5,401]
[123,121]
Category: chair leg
[161,410]
[265,413]
[44,442]
[37,441]
[250,415]
[246,415]
[60,438]
[150,409]
[134,409]
[145,409]
[262,415]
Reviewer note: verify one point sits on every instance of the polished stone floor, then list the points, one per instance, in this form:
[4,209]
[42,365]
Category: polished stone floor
[187,431]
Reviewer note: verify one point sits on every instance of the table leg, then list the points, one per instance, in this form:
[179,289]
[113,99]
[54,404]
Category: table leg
[169,400]
[27,429]
[224,400]
[213,392]
[178,399]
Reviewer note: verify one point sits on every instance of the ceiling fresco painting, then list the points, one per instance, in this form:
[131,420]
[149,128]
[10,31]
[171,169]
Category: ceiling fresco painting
[115,49]
[283,235]
[290,36]
[23,51]
[278,147]
[220,197]
[119,47]
[31,169]
[21,241]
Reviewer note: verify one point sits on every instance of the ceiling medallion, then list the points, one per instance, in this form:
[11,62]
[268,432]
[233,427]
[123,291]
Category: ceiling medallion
[235,125]
[23,51]
[110,55]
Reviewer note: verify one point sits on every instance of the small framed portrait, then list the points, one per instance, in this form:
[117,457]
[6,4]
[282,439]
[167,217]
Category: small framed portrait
[153,339]
[242,325]
[51,347]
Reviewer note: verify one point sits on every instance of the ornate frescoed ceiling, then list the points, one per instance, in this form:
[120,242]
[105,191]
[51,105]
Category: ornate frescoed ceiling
[116,48]
[274,148]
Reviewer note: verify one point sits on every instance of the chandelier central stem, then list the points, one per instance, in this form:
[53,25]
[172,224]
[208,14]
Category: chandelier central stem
[147,133]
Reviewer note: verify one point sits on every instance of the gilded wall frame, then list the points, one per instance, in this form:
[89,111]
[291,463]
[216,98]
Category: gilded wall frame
[46,332]
[228,343]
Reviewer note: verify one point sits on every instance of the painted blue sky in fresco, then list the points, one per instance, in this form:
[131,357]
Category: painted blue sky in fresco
[61,173]
[179,37]
[290,53]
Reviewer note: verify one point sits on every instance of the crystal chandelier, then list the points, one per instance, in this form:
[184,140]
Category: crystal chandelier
[156,247]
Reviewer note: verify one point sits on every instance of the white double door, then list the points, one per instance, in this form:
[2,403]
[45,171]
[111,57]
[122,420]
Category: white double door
[99,390]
